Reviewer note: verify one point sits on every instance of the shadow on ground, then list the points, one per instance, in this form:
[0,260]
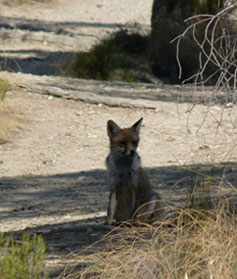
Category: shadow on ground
[35,62]
[48,204]
[57,27]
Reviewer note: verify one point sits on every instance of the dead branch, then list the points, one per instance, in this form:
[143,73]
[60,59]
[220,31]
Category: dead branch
[216,39]
[217,47]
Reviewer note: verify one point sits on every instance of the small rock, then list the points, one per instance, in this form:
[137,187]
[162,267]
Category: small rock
[204,147]
[229,105]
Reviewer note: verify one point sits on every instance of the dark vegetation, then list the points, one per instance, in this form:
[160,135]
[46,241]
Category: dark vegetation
[120,56]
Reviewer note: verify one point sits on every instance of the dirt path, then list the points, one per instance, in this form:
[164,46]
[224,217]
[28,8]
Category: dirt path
[53,178]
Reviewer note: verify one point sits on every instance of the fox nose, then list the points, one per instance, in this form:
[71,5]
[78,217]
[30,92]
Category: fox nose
[130,152]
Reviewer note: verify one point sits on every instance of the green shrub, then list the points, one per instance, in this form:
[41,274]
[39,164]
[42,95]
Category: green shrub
[118,56]
[22,260]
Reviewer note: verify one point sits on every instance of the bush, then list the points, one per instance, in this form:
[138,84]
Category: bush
[115,57]
[22,260]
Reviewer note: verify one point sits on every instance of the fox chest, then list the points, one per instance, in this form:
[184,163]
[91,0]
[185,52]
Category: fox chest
[123,173]
[120,178]
[125,176]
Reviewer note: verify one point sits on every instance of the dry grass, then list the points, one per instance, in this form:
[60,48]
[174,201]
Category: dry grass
[10,122]
[194,245]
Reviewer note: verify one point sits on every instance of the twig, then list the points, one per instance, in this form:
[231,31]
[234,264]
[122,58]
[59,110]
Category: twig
[217,49]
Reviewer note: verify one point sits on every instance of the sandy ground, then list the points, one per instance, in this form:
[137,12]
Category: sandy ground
[53,178]
[90,11]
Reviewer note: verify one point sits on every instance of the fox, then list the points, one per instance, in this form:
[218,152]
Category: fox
[131,198]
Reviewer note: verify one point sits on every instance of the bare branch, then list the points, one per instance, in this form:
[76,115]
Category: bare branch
[215,37]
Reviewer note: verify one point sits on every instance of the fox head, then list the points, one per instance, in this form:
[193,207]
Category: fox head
[123,142]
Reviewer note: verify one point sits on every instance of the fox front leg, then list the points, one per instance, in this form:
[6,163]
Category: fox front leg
[111,208]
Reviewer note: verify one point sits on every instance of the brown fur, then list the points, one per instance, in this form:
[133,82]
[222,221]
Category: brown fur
[131,194]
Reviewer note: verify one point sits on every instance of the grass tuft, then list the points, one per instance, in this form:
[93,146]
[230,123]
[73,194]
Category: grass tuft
[10,123]
[22,259]
[194,242]
[4,87]
[199,245]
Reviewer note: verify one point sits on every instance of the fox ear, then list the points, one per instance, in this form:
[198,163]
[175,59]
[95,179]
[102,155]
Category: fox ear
[112,128]
[137,125]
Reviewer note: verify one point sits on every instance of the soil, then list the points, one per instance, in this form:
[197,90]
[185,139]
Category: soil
[52,175]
